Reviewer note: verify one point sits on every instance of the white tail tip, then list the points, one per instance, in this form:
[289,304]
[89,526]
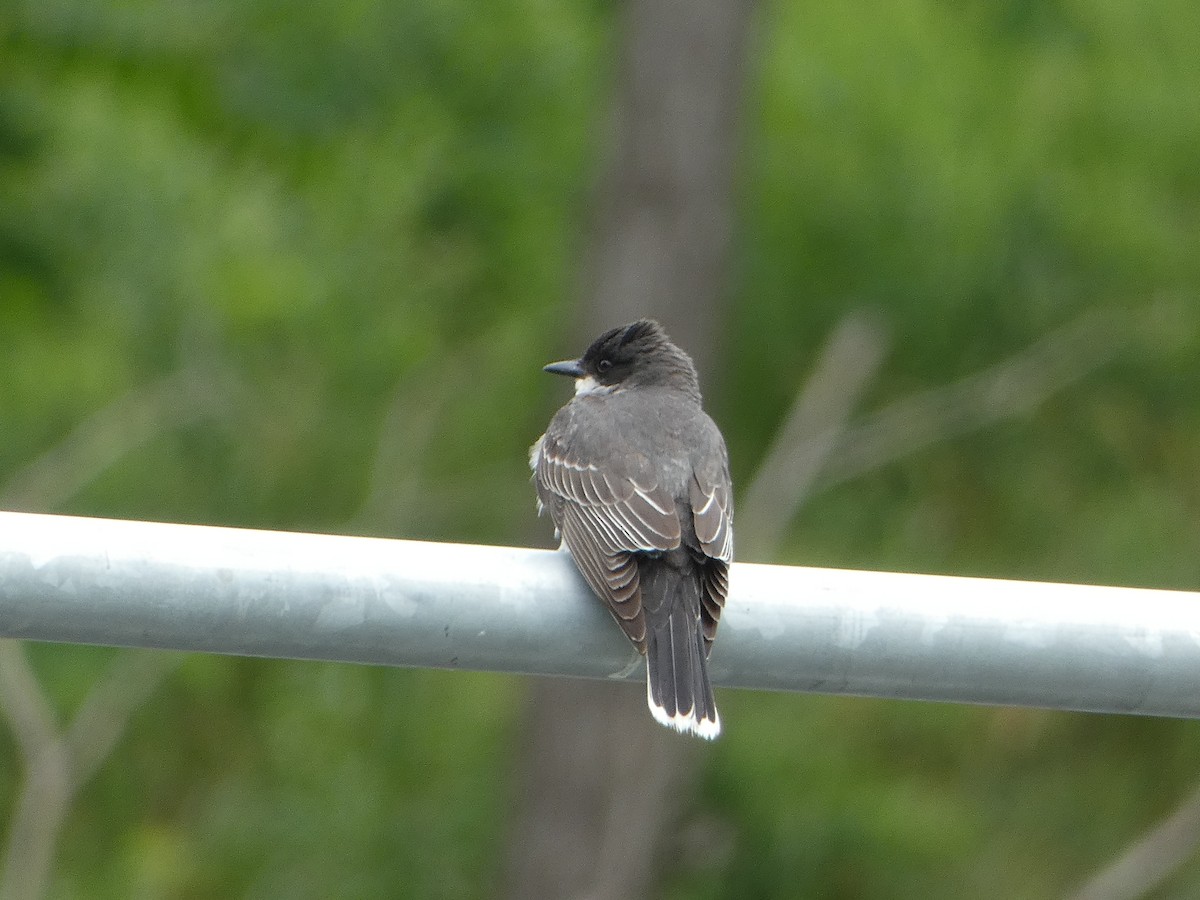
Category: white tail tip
[684,722]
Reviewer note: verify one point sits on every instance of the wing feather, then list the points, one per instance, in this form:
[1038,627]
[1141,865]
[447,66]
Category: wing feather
[632,516]
[605,518]
[609,508]
[712,515]
[714,589]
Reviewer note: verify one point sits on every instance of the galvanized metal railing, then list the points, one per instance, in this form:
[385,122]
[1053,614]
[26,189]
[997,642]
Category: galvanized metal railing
[409,603]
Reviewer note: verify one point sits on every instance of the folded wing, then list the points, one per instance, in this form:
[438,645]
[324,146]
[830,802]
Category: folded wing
[712,515]
[607,512]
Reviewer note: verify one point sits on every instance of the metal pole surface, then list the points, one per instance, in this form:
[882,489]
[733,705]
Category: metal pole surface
[410,603]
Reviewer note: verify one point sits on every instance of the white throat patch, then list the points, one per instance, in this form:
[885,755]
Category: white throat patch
[589,385]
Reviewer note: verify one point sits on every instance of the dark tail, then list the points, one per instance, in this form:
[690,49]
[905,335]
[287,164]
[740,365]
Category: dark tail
[677,686]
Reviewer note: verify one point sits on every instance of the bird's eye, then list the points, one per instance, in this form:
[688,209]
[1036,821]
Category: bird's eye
[604,365]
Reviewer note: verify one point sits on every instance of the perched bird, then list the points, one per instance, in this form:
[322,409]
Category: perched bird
[635,476]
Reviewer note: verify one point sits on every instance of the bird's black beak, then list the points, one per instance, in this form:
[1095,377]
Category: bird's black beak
[566,367]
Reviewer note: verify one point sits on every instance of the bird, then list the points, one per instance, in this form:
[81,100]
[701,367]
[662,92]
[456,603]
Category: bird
[635,476]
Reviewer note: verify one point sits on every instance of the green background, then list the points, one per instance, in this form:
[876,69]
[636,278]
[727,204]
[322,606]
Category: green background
[335,217]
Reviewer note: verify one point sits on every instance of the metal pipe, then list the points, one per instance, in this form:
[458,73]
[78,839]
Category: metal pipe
[409,603]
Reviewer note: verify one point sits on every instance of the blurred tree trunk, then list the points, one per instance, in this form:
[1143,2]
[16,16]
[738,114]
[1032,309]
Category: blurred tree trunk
[665,204]
[602,784]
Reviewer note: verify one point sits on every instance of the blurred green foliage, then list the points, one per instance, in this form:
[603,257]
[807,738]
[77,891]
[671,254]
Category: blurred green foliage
[357,228]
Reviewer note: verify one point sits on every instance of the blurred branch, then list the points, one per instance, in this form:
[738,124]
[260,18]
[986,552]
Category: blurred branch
[417,407]
[23,703]
[133,419]
[56,764]
[1007,389]
[104,714]
[37,820]
[1150,861]
[809,434]
[815,445]
[814,436]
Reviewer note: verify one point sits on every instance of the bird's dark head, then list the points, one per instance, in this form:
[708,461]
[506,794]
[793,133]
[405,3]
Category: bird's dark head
[635,355]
